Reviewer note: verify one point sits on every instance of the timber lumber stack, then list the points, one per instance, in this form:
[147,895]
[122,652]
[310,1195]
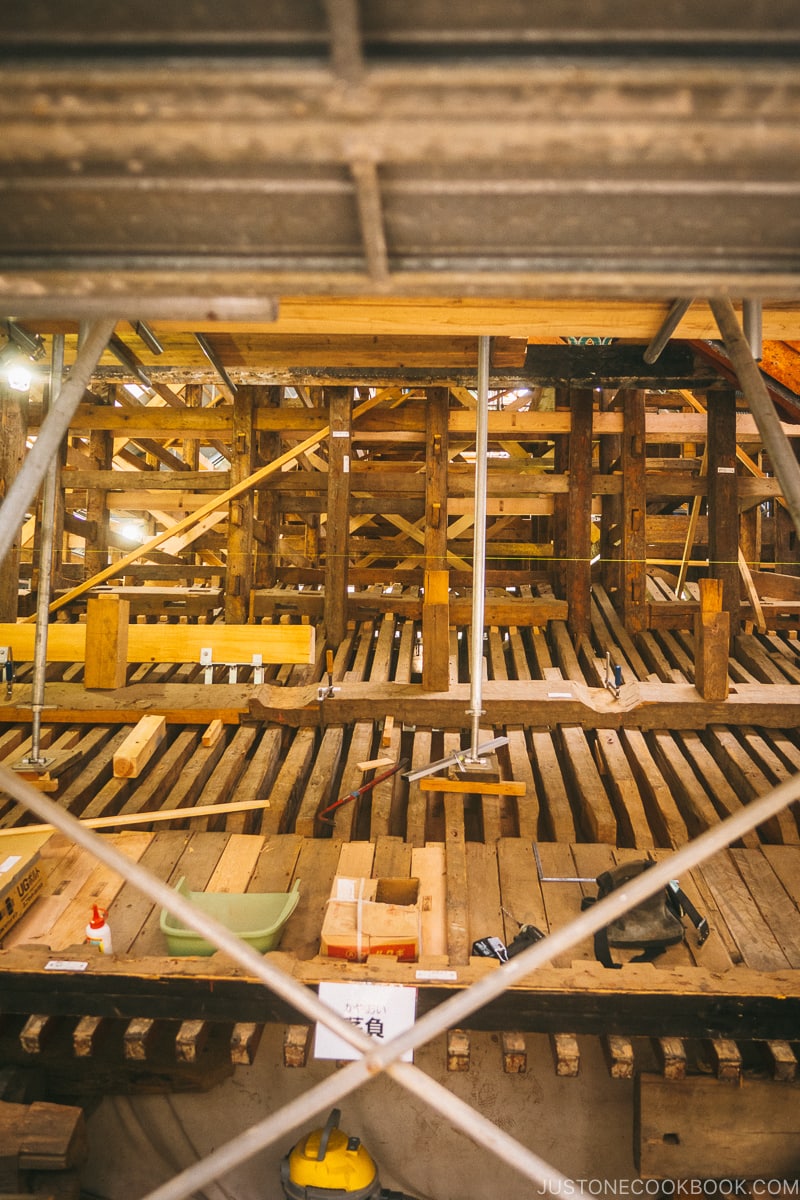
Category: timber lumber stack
[41,1147]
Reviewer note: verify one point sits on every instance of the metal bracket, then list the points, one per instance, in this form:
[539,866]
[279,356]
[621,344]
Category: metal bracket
[457,759]
[233,672]
[558,878]
[258,669]
[206,661]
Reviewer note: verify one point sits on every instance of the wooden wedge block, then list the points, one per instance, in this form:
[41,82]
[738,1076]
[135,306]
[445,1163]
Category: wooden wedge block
[213,733]
[245,1039]
[515,1055]
[457,1050]
[139,747]
[566,1054]
[296,1043]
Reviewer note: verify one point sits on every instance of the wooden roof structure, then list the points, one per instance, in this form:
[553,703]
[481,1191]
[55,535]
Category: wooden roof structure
[302,223]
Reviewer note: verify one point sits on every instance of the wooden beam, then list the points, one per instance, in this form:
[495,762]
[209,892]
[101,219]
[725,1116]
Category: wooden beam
[192,521]
[106,642]
[634,508]
[578,573]
[174,643]
[139,747]
[723,507]
[435,610]
[337,530]
[239,557]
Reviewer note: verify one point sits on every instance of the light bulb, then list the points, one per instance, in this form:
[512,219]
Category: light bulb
[19,379]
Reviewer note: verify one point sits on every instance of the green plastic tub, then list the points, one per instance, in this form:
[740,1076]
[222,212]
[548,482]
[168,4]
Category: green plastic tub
[257,917]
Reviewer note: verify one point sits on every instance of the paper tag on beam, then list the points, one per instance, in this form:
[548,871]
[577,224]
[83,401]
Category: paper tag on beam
[381,1010]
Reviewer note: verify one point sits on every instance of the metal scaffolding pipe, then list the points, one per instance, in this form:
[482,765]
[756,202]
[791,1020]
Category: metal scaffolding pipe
[479,548]
[55,426]
[752,326]
[775,440]
[49,493]
[670,324]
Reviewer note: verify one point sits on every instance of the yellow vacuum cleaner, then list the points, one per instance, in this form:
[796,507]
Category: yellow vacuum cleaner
[331,1165]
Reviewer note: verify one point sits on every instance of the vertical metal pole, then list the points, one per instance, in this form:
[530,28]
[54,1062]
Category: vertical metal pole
[751,322]
[49,491]
[479,547]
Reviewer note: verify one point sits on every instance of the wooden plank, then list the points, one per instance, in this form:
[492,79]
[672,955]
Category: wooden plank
[346,816]
[101,888]
[275,869]
[318,793]
[757,944]
[520,890]
[696,807]
[458,942]
[663,814]
[164,774]
[718,952]
[290,780]
[596,817]
[392,858]
[785,862]
[196,864]
[505,787]
[174,643]
[213,733]
[556,809]
[776,906]
[386,805]
[428,865]
[417,807]
[634,829]
[223,781]
[107,631]
[748,782]
[189,785]
[528,808]
[705,1129]
[139,747]
[562,901]
[356,859]
[484,917]
[715,779]
[236,864]
[316,866]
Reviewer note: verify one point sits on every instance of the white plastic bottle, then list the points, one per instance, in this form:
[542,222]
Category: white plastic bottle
[98,931]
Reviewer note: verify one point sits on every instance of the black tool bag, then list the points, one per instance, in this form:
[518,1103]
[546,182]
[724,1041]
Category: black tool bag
[650,926]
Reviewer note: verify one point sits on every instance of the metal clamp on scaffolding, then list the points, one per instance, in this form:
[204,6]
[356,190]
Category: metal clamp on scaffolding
[207,663]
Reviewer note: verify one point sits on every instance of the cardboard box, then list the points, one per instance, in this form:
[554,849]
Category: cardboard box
[21,875]
[372,916]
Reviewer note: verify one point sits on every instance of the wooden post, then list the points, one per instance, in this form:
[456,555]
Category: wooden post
[13,430]
[107,620]
[268,447]
[139,747]
[723,506]
[436,602]
[579,514]
[560,502]
[239,579]
[337,532]
[634,504]
[96,553]
[712,642]
[611,515]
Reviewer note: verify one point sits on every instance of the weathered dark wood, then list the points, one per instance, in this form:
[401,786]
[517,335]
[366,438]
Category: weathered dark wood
[634,508]
[435,611]
[338,524]
[579,513]
[723,507]
[240,511]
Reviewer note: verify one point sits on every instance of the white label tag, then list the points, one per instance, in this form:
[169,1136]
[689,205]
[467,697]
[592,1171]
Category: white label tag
[726,470]
[10,862]
[65,964]
[429,975]
[381,1010]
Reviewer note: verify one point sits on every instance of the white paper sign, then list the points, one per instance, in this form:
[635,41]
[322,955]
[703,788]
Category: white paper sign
[381,1010]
